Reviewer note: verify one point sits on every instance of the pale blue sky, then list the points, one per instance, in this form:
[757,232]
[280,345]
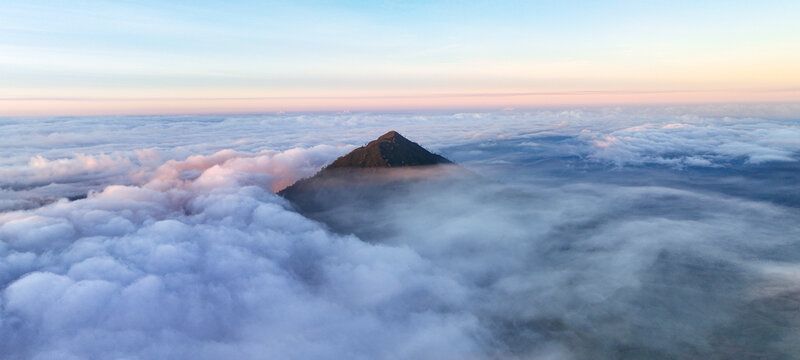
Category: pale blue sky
[200,49]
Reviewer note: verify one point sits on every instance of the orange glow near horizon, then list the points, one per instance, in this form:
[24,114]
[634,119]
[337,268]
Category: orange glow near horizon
[497,101]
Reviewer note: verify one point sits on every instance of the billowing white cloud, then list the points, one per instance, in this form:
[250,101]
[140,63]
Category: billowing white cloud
[710,143]
[272,169]
[78,174]
[215,267]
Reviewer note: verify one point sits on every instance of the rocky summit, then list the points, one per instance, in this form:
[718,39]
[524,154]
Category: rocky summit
[344,193]
[389,150]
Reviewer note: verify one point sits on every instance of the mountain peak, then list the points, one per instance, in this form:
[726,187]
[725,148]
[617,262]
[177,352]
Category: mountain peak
[344,194]
[389,150]
[391,134]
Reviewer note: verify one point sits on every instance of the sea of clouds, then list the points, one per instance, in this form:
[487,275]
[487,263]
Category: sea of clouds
[613,233]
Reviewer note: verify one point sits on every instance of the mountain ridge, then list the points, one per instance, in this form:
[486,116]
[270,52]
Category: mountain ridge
[377,162]
[388,150]
[350,194]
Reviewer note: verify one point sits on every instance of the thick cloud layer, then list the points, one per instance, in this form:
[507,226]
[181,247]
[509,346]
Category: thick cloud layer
[615,233]
[215,267]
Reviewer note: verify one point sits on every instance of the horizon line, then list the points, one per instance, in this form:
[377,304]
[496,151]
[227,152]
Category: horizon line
[417,110]
[418,96]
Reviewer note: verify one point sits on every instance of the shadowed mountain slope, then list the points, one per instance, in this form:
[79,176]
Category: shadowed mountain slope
[383,171]
[389,150]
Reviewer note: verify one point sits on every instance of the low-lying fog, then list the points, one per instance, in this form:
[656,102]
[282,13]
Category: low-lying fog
[668,233]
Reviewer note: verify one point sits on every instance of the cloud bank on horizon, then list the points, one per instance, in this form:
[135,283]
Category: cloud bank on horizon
[68,156]
[181,249]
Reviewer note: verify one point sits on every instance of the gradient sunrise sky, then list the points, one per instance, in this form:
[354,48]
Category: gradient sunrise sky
[158,57]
